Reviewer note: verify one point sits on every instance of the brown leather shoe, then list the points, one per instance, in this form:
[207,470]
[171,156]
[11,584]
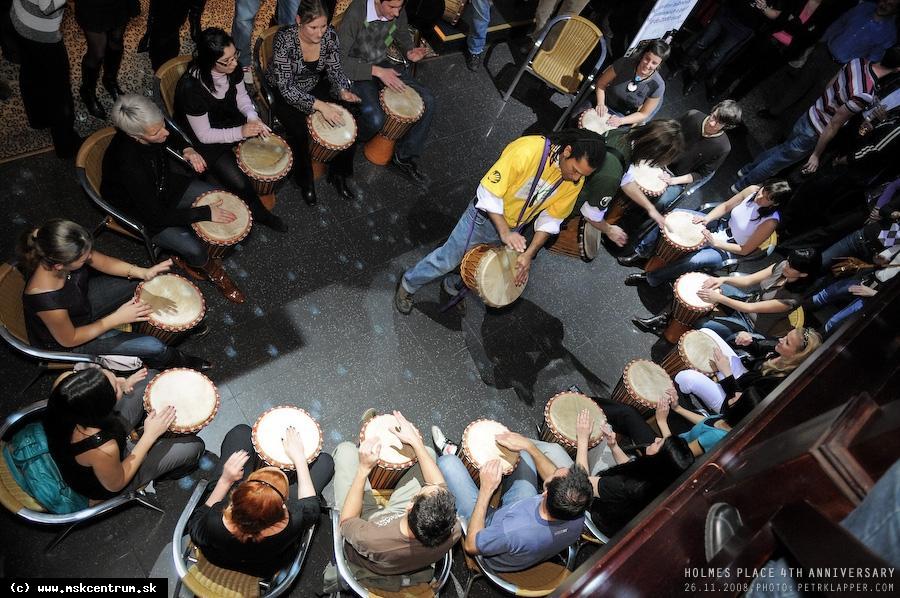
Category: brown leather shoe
[223,282]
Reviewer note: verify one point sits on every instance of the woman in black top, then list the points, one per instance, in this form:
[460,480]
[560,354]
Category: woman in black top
[212,101]
[76,297]
[89,416]
[254,528]
[301,55]
[103,23]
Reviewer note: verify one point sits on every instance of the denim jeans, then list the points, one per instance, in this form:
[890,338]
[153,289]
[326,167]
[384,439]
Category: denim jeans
[728,326]
[668,197]
[181,239]
[707,258]
[481,18]
[522,483]
[853,245]
[448,256]
[244,17]
[723,34]
[799,145]
[839,292]
[371,117]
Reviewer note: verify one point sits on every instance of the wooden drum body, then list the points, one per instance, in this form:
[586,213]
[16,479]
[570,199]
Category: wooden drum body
[271,427]
[220,237]
[679,237]
[395,457]
[647,179]
[642,386]
[577,238]
[490,271]
[265,161]
[693,352]
[561,415]
[479,445]
[453,10]
[178,306]
[327,141]
[687,306]
[194,396]
[402,109]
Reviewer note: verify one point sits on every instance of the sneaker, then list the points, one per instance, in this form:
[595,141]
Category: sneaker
[403,299]
[410,170]
[366,416]
[473,61]
[742,172]
[443,446]
[248,75]
[734,189]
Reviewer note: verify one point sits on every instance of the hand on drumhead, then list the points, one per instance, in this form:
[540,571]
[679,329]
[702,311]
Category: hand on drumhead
[348,96]
[513,441]
[660,220]
[601,110]
[523,266]
[743,338]
[713,282]
[698,219]
[609,436]
[194,159]
[514,241]
[709,295]
[158,422]
[614,121]
[293,445]
[369,451]
[255,127]
[617,235]
[233,470]
[220,215]
[406,432]
[584,423]
[131,311]
[389,77]
[721,362]
[663,406]
[331,113]
[491,475]
[157,269]
[665,177]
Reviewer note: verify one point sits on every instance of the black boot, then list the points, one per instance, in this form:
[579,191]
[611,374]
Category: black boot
[194,14]
[631,261]
[270,220]
[344,186]
[88,91]
[653,325]
[308,193]
[179,359]
[111,63]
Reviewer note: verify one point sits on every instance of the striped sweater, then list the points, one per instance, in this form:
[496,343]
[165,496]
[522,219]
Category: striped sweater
[38,20]
[852,87]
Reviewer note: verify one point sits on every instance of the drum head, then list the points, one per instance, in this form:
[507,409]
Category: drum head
[393,451]
[681,230]
[686,288]
[648,177]
[267,157]
[176,301]
[479,441]
[406,104]
[194,396]
[564,409]
[231,232]
[697,348]
[648,380]
[591,239]
[592,121]
[271,427]
[496,275]
[337,136]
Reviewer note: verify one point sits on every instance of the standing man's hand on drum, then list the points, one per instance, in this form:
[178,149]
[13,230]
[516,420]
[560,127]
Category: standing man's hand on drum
[523,265]
[220,215]
[389,77]
[330,112]
[514,241]
[349,96]
[616,235]
[194,159]
[513,441]
[416,54]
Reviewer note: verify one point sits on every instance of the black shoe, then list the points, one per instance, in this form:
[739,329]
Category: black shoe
[144,44]
[633,280]
[309,194]
[93,105]
[411,171]
[632,261]
[473,61]
[344,186]
[183,360]
[272,221]
[764,113]
[653,325]
[113,89]
[5,91]
[723,522]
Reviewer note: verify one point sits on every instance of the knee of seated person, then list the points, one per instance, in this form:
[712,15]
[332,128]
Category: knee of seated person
[196,258]
[343,448]
[557,455]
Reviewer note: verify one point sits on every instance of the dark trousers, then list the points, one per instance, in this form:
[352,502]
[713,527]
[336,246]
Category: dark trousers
[167,17]
[181,239]
[223,167]
[721,37]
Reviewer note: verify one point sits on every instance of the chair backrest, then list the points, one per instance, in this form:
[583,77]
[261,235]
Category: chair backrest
[206,580]
[797,318]
[12,316]
[266,39]
[167,77]
[90,156]
[339,10]
[559,67]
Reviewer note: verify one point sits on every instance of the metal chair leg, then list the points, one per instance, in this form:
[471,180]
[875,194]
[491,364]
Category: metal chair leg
[147,503]
[472,579]
[59,538]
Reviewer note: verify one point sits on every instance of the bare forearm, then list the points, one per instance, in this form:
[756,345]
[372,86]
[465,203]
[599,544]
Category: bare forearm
[133,461]
[219,492]
[694,418]
[499,223]
[581,454]
[540,237]
[116,267]
[476,522]
[638,197]
[353,503]
[430,472]
[619,455]
[545,467]
[305,488]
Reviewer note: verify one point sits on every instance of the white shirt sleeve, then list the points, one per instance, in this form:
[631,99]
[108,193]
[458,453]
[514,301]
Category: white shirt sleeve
[591,213]
[892,254]
[487,201]
[628,176]
[547,223]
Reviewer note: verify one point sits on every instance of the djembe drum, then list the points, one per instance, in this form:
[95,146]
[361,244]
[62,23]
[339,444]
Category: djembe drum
[265,161]
[561,415]
[687,306]
[490,271]
[402,109]
[479,445]
[646,177]
[680,237]
[577,238]
[694,352]
[592,121]
[643,385]
[326,141]
[395,457]
[178,306]
[271,427]
[218,236]
[194,396]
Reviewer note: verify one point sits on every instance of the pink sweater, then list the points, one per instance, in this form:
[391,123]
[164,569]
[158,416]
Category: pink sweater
[200,124]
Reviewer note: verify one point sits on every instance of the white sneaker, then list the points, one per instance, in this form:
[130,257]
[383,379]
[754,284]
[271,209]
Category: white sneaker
[248,75]
[742,172]
[734,189]
[443,446]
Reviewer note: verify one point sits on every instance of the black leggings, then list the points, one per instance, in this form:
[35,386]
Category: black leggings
[104,48]
[224,169]
[627,420]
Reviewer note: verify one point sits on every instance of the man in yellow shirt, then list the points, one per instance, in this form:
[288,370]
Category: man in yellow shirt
[509,198]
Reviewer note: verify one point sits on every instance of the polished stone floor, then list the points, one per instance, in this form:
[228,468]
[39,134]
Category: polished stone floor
[319,331]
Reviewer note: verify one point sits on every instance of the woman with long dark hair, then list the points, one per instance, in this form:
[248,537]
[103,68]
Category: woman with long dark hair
[103,23]
[89,417]
[212,100]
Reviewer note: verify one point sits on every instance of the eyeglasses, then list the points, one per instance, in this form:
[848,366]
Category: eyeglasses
[230,61]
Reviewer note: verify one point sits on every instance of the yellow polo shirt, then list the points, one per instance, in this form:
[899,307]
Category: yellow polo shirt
[510,179]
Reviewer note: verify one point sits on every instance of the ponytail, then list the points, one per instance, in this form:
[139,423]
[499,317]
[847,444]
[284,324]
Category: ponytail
[56,241]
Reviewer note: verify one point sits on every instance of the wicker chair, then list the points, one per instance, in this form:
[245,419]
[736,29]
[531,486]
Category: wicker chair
[346,577]
[12,328]
[262,54]
[539,580]
[204,579]
[21,504]
[166,79]
[559,67]
[89,170]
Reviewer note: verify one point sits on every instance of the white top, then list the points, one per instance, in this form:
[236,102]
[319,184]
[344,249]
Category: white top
[487,201]
[742,221]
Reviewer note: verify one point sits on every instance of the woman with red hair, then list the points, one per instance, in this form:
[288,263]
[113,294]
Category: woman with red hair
[255,528]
